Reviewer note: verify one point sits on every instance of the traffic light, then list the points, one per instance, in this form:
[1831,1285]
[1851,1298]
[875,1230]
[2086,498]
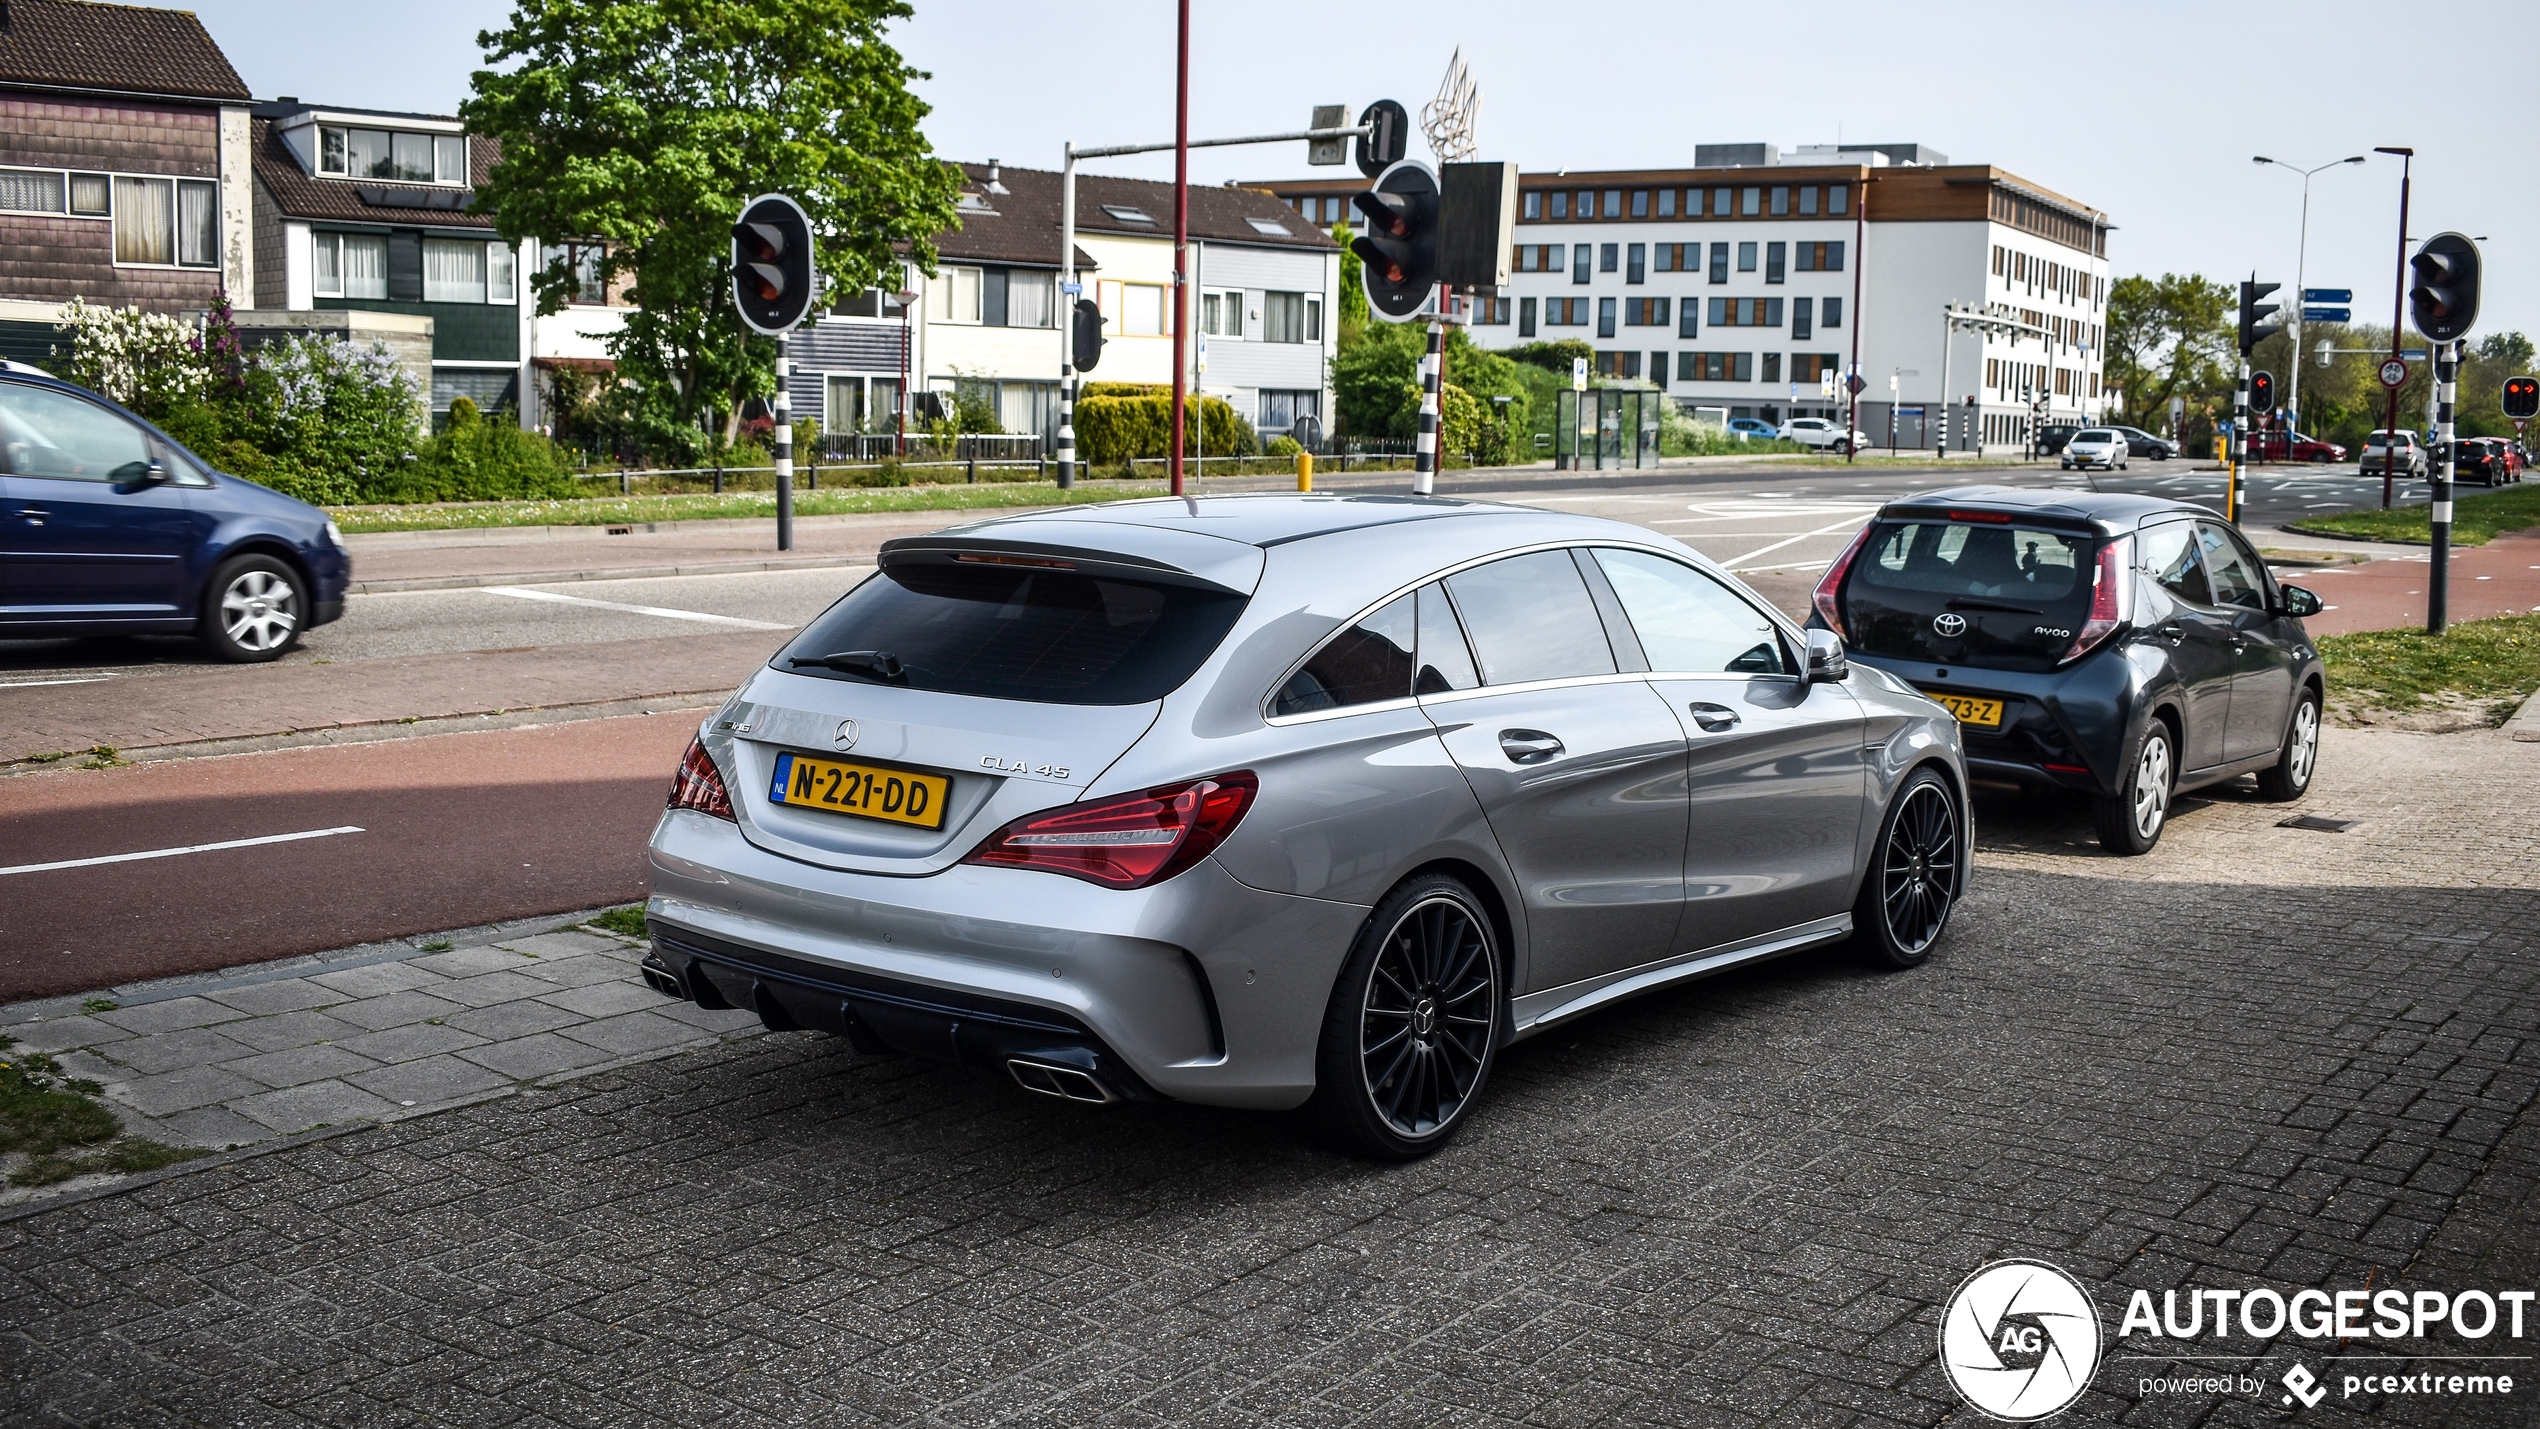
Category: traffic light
[1086,340]
[2522,398]
[2253,327]
[772,278]
[2443,302]
[1398,247]
[1388,128]
[2261,392]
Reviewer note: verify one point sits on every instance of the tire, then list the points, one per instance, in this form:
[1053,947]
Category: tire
[1917,873]
[254,608]
[1427,956]
[2130,821]
[2289,778]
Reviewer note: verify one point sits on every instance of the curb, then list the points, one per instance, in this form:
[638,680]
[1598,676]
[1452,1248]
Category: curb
[610,573]
[2525,724]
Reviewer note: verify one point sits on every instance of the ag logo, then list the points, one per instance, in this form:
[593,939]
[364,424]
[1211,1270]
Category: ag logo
[2020,1340]
[1950,623]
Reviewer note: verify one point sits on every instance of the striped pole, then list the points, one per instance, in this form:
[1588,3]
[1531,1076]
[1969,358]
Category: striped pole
[2235,484]
[1424,467]
[1066,425]
[784,437]
[2438,585]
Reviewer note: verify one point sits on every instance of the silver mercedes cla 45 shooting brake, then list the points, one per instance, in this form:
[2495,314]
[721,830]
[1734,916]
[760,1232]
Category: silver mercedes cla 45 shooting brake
[1279,801]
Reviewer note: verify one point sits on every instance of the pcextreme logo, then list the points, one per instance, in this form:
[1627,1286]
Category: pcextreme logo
[2019,1340]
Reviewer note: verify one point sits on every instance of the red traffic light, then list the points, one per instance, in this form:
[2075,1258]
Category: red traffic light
[2262,392]
[772,278]
[2522,398]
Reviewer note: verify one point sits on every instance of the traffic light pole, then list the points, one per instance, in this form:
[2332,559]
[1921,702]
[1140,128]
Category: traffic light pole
[1181,237]
[2438,584]
[1070,287]
[2398,329]
[784,439]
[2238,450]
[1424,465]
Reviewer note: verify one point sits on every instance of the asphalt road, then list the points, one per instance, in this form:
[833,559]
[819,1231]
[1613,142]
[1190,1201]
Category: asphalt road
[449,831]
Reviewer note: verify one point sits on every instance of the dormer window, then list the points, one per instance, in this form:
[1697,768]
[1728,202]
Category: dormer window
[398,157]
[1126,214]
[969,202]
[1270,228]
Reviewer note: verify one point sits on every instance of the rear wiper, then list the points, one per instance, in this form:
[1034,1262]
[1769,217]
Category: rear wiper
[879,665]
[1970,603]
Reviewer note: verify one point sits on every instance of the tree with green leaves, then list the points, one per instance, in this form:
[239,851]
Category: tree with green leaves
[646,124]
[2170,336]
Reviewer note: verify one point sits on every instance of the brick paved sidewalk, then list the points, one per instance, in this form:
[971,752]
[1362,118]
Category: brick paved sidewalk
[2259,1057]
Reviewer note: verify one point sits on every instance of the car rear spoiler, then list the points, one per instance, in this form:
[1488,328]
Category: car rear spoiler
[1219,574]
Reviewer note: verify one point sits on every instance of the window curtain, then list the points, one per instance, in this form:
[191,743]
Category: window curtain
[502,276]
[453,270]
[145,221]
[30,191]
[1028,299]
[198,224]
[328,277]
[365,265]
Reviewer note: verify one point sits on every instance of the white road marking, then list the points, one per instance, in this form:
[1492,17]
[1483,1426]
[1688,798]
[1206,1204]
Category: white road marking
[1784,566]
[30,684]
[524,593]
[1736,562]
[173,852]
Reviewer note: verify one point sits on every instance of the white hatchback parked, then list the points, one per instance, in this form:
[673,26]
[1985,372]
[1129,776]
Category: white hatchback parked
[2095,446]
[1820,433]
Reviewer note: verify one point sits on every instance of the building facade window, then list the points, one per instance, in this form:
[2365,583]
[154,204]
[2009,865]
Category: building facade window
[1541,258]
[1031,300]
[1222,314]
[166,222]
[1608,256]
[1781,200]
[1525,317]
[453,270]
[1719,262]
[1613,203]
[957,298]
[1636,263]
[1807,200]
[349,265]
[1644,312]
[392,155]
[1715,366]
[1839,198]
[1605,317]
[1666,203]
[1581,258]
[1565,312]
[1750,201]
[1686,313]
[1746,312]
[1534,204]
[1618,364]
[1561,204]
[1492,310]
[1746,257]
[1640,203]
[1819,257]
[1282,409]
[1719,203]
[1291,317]
[1830,312]
[1774,261]
[1772,367]
[1658,368]
[1803,313]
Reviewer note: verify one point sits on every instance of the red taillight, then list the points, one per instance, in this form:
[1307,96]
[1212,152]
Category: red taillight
[699,786]
[1129,841]
[1829,607]
[2111,598]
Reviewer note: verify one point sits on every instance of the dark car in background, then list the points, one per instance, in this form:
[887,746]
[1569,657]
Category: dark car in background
[2128,648]
[108,527]
[2052,436]
[2489,461]
[2145,445]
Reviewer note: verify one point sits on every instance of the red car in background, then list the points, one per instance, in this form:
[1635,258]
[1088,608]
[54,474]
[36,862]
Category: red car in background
[2278,444]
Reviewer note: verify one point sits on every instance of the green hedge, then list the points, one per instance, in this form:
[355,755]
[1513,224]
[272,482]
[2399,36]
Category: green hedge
[1112,429]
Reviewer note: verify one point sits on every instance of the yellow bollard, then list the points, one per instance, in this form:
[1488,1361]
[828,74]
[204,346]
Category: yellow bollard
[1305,471]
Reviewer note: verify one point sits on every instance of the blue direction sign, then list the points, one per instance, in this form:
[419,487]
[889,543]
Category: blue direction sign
[2328,315]
[2328,295]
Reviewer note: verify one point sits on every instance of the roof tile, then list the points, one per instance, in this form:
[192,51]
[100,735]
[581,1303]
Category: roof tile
[128,49]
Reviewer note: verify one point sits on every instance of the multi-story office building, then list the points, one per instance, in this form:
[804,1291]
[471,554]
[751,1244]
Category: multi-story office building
[1751,281]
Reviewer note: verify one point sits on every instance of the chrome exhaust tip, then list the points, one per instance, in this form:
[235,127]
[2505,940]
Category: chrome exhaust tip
[1051,1079]
[661,979]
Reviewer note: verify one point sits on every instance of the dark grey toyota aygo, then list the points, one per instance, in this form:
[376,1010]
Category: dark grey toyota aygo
[2126,647]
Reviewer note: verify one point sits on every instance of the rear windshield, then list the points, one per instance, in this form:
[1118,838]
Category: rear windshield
[1052,637]
[1960,593]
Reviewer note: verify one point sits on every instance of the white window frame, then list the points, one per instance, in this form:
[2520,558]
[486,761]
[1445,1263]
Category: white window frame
[956,296]
[439,144]
[176,218]
[333,242]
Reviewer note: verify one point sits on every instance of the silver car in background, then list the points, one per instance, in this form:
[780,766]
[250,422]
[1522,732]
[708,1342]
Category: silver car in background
[1271,801]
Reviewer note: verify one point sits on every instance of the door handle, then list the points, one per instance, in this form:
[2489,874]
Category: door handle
[1528,746]
[2173,632]
[1712,718]
[34,514]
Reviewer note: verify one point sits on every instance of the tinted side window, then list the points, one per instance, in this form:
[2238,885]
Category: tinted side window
[2169,557]
[1445,662]
[1530,618]
[1370,661]
[1689,623]
[2234,575]
[53,434]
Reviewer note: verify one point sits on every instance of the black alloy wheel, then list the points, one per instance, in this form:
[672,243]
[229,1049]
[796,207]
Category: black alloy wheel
[1413,1026]
[1915,876]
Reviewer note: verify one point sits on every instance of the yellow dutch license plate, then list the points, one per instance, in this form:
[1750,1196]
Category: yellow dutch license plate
[1969,709]
[864,790]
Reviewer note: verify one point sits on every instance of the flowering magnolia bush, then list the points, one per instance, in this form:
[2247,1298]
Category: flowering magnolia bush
[325,420]
[142,360]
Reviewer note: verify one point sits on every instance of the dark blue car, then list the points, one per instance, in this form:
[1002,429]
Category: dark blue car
[109,528]
[2127,648]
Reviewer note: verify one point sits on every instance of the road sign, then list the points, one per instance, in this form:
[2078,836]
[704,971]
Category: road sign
[2394,373]
[1578,374]
[2328,315]
[1825,384]
[1328,151]
[1381,148]
[1854,384]
[1308,431]
[2328,295]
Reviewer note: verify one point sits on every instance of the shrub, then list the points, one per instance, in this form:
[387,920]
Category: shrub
[1283,447]
[479,458]
[146,361]
[1110,430]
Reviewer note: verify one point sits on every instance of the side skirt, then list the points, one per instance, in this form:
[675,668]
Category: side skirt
[1536,1011]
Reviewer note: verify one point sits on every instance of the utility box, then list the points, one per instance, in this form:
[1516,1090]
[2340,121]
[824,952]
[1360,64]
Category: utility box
[1477,224]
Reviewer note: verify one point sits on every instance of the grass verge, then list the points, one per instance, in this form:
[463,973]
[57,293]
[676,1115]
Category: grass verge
[2475,519]
[59,1128]
[627,922]
[636,510]
[2494,663]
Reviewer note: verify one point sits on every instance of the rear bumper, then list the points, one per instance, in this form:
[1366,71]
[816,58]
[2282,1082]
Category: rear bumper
[1200,989]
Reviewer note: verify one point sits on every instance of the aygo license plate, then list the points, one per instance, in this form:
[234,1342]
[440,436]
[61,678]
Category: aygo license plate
[1969,709]
[835,786]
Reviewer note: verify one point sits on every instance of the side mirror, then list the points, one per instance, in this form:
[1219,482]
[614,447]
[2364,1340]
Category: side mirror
[139,476]
[2299,603]
[1826,660]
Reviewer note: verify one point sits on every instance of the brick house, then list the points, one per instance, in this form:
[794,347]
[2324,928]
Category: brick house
[124,166]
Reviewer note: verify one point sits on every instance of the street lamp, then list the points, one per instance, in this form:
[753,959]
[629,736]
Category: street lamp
[2293,381]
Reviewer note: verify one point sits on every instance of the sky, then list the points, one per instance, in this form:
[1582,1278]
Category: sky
[2150,112]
